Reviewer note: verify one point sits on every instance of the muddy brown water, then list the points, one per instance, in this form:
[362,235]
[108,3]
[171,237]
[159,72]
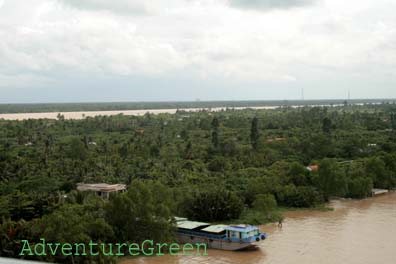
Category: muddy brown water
[82,115]
[356,231]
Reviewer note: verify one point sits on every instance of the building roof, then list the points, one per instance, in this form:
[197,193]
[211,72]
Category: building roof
[191,224]
[313,167]
[101,187]
[278,139]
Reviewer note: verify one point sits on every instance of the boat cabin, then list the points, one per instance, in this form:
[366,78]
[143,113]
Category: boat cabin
[227,237]
[241,231]
[233,232]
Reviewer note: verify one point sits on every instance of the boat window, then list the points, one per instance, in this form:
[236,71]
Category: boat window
[253,232]
[234,234]
[245,234]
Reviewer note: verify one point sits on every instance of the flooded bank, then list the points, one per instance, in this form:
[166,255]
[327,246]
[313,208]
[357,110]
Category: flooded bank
[357,231]
[84,114]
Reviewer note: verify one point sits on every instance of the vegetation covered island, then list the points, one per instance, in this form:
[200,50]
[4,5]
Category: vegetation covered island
[231,166]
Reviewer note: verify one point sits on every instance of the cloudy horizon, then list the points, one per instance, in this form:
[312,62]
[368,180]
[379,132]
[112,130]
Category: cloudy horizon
[183,50]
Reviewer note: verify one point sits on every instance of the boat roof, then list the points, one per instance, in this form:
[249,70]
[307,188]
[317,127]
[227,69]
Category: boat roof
[180,219]
[191,224]
[184,223]
[241,228]
[214,228]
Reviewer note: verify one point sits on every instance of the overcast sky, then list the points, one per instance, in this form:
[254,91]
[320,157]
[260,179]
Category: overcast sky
[152,50]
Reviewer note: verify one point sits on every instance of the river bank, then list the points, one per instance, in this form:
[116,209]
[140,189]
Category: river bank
[85,114]
[140,112]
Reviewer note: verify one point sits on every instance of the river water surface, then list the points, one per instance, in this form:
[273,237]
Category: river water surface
[356,232]
[84,114]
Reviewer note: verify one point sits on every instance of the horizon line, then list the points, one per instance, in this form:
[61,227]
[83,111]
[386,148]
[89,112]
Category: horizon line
[201,101]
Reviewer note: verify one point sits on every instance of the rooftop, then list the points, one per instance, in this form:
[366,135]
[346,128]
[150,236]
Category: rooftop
[313,167]
[101,187]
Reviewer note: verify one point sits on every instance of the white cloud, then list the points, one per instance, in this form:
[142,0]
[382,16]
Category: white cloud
[204,39]
[126,7]
[270,4]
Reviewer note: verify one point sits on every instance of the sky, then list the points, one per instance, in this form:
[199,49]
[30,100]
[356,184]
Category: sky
[183,50]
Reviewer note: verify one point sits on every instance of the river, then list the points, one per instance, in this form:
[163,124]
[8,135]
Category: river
[355,232]
[84,114]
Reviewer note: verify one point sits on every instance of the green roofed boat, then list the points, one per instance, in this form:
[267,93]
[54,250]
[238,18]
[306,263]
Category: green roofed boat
[226,237]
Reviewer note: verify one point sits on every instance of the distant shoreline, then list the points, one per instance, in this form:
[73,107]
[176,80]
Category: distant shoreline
[140,112]
[127,106]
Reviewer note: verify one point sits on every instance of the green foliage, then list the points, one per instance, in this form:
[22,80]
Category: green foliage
[144,212]
[215,133]
[11,233]
[264,203]
[327,125]
[359,187]
[75,149]
[331,179]
[301,196]
[254,217]
[209,166]
[258,185]
[377,171]
[213,204]
[254,133]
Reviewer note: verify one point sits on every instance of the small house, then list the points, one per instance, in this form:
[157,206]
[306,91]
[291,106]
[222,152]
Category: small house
[102,189]
[313,168]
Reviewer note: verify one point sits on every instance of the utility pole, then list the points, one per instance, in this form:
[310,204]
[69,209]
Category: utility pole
[393,126]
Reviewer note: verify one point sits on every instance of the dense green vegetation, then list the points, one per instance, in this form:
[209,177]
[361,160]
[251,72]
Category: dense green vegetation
[205,166]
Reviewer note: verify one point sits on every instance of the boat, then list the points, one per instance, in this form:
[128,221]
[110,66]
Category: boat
[226,237]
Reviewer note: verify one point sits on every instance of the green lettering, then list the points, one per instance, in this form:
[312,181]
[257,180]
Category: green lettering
[198,245]
[119,253]
[151,249]
[134,247]
[53,251]
[187,247]
[26,243]
[91,244]
[108,253]
[174,247]
[67,247]
[42,245]
[160,246]
[77,252]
